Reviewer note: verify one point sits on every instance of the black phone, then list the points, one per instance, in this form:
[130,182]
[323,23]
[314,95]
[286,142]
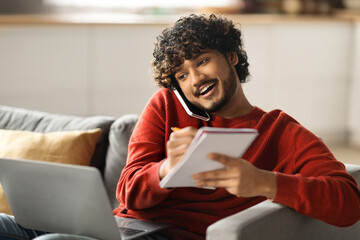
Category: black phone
[187,105]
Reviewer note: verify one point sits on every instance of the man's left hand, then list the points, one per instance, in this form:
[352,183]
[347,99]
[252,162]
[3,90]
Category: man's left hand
[239,178]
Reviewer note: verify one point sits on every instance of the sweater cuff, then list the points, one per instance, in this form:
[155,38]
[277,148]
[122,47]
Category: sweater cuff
[154,179]
[287,186]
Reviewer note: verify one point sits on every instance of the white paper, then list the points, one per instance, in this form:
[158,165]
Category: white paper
[229,141]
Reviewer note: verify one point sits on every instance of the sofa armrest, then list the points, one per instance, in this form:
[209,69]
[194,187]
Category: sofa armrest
[262,221]
[354,170]
[273,221]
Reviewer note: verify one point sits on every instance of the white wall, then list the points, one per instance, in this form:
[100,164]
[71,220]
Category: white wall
[302,68]
[44,67]
[120,75]
[354,91]
[77,69]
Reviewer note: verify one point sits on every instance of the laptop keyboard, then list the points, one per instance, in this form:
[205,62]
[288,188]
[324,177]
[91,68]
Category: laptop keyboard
[129,231]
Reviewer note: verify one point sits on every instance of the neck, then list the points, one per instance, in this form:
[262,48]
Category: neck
[238,106]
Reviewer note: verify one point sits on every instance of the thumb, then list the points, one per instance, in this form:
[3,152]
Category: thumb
[224,159]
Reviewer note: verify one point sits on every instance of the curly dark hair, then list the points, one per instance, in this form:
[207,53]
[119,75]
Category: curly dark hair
[190,35]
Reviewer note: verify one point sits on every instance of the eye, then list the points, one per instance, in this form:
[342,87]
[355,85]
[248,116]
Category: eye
[181,76]
[203,61]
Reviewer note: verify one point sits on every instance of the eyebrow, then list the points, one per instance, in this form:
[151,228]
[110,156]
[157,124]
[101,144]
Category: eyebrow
[194,57]
[177,70]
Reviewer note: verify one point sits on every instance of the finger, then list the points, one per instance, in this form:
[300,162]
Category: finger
[179,141]
[177,151]
[191,131]
[175,142]
[187,131]
[222,183]
[224,159]
[216,174]
[178,137]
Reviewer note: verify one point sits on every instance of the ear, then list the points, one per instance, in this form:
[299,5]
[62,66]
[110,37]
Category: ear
[232,58]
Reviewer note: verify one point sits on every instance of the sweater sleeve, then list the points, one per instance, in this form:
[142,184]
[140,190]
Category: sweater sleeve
[138,187]
[316,184]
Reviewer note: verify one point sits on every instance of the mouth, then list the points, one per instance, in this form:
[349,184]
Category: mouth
[205,88]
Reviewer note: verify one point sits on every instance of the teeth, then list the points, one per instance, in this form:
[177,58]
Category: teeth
[206,88]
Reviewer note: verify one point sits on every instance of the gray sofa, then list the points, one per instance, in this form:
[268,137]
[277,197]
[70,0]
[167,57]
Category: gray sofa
[266,220]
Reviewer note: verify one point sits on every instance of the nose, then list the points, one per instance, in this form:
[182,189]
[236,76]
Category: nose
[197,76]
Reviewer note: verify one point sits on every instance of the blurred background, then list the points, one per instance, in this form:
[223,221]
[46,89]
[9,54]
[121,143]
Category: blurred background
[93,57]
[177,7]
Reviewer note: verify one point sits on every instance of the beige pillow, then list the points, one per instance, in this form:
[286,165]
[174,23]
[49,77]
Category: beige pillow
[72,147]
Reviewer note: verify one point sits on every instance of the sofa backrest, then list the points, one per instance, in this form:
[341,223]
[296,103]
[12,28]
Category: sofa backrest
[119,136]
[12,118]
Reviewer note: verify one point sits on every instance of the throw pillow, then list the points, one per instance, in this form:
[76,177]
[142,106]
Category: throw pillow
[72,147]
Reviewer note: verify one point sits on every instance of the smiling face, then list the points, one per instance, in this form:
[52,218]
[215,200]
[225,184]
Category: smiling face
[190,36]
[209,81]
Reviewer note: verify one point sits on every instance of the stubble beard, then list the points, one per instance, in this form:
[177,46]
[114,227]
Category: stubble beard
[229,91]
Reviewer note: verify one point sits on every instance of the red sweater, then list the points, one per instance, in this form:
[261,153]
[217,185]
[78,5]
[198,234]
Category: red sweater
[309,178]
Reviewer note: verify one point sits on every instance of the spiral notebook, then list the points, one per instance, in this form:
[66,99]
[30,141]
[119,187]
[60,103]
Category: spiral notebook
[229,141]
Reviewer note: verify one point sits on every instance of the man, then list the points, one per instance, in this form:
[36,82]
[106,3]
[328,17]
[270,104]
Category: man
[286,163]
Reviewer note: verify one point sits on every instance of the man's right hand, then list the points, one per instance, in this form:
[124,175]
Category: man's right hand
[177,145]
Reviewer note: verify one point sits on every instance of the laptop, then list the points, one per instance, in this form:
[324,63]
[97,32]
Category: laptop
[64,198]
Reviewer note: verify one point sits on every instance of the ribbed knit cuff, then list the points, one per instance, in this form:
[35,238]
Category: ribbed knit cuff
[154,179]
[287,189]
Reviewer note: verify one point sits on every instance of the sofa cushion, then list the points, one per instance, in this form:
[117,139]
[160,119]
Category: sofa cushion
[119,135]
[72,147]
[22,119]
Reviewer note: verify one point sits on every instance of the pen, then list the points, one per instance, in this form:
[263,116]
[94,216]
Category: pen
[174,129]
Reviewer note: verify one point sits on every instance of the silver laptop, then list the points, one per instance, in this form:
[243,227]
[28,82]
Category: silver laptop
[64,198]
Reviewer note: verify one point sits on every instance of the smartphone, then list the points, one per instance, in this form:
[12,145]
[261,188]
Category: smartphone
[187,105]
